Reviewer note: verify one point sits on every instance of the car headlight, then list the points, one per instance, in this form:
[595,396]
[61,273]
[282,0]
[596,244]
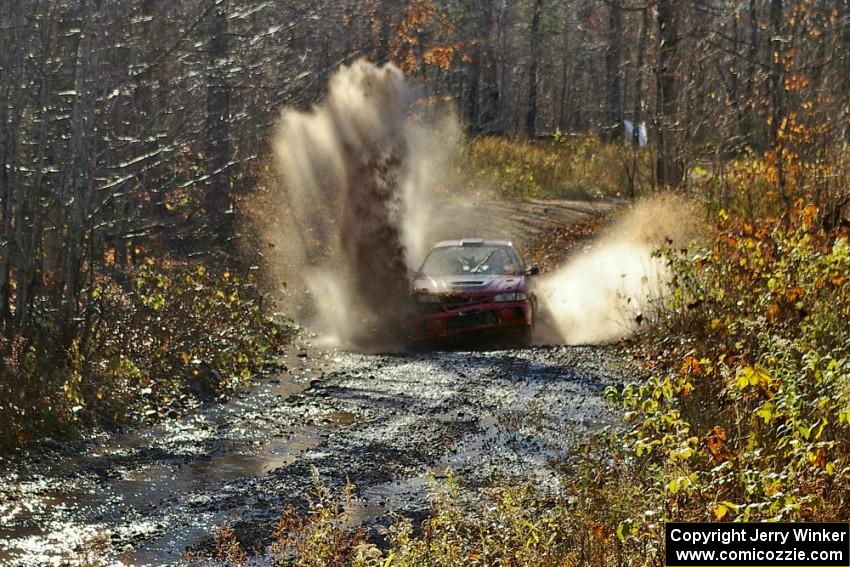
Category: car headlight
[428,298]
[510,297]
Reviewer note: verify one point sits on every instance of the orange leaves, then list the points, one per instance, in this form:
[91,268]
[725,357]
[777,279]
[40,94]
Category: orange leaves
[808,215]
[691,366]
[717,446]
[442,56]
[772,313]
[796,82]
[818,459]
[407,33]
[420,38]
[598,531]
[794,295]
[419,13]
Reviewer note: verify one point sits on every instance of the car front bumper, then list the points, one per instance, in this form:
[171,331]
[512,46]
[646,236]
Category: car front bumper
[495,316]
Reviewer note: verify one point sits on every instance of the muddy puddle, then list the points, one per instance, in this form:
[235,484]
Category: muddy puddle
[142,497]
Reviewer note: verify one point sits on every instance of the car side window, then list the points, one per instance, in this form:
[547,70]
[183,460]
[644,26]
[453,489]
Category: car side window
[515,266]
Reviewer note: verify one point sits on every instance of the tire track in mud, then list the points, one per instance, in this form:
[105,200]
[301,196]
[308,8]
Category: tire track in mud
[383,422]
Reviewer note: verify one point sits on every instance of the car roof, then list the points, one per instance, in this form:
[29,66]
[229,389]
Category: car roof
[472,242]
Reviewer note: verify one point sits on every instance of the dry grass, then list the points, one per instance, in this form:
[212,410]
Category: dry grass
[561,167]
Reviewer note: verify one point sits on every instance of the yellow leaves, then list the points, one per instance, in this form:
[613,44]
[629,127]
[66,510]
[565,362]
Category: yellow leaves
[682,482]
[753,376]
[766,411]
[685,451]
[71,388]
[721,509]
[817,458]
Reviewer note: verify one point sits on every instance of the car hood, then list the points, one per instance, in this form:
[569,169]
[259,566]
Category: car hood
[471,284]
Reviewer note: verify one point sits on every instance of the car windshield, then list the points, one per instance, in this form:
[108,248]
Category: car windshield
[467,260]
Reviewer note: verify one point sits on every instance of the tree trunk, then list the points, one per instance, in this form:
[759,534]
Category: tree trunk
[474,73]
[777,100]
[562,98]
[752,73]
[668,171]
[490,95]
[5,188]
[382,51]
[637,112]
[613,55]
[845,68]
[533,71]
[218,122]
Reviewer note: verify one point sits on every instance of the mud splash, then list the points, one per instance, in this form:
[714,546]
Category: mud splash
[357,176]
[605,293]
[368,181]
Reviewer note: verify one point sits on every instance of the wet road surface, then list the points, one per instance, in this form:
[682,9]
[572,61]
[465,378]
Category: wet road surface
[385,422]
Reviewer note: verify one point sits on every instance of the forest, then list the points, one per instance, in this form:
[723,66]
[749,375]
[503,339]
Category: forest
[136,136]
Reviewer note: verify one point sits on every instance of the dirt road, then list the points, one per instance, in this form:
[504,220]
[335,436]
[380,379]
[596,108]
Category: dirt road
[384,422]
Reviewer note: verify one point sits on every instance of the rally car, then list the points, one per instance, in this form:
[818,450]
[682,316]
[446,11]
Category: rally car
[473,286]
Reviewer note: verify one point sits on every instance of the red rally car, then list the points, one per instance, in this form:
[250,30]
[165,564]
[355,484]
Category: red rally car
[473,285]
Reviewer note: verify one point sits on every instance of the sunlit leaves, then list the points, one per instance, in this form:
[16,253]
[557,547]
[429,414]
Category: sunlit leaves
[753,376]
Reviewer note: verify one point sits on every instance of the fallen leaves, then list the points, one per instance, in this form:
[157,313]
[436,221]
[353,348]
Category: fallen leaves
[556,242]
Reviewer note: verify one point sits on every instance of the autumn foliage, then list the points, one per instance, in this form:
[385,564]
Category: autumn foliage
[159,338]
[752,422]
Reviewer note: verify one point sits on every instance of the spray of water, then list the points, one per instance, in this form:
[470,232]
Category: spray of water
[605,292]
